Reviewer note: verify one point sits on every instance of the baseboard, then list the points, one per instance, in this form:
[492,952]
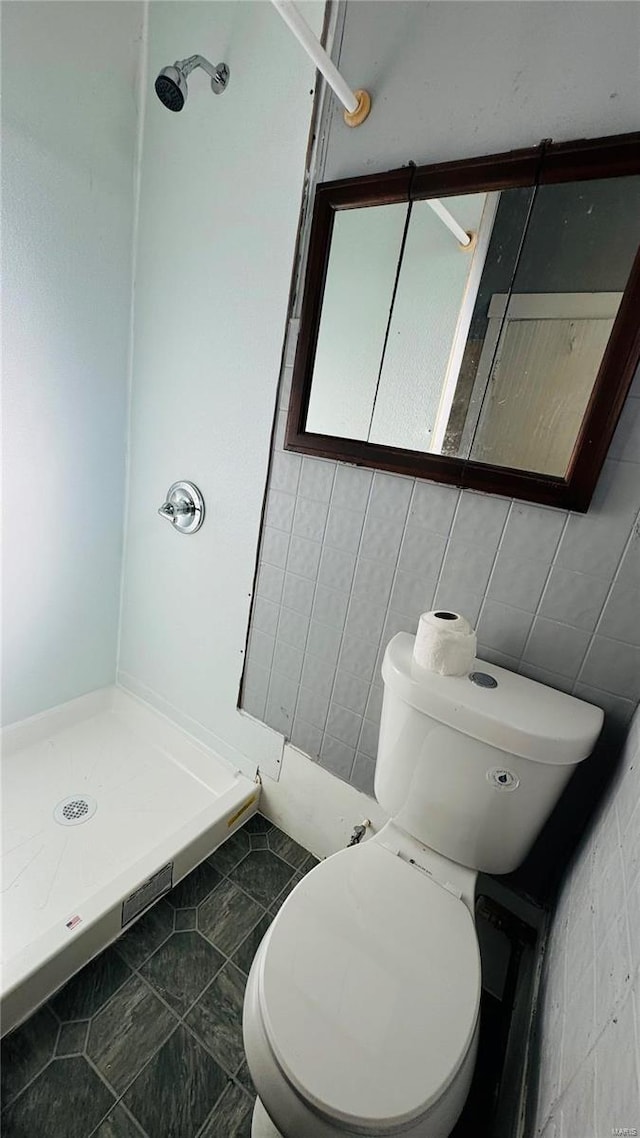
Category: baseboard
[314,807]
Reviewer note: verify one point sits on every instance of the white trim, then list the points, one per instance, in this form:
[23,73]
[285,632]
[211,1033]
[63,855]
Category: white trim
[314,807]
[485,229]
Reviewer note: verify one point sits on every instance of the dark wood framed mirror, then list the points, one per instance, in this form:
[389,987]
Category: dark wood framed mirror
[476,322]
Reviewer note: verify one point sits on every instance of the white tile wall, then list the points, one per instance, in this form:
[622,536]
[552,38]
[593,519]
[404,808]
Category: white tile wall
[589,1080]
[350,556]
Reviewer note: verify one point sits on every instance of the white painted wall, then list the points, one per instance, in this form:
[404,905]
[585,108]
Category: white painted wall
[589,1046]
[69,134]
[220,197]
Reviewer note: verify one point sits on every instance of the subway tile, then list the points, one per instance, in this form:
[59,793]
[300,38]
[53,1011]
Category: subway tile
[285,471]
[381,538]
[344,528]
[395,622]
[454,599]
[412,595]
[574,598]
[518,583]
[254,690]
[264,617]
[317,676]
[275,545]
[433,506]
[467,567]
[617,493]
[629,570]
[343,725]
[372,581]
[504,628]
[358,657]
[316,479]
[612,666]
[330,607]
[351,488]
[532,533]
[280,431]
[288,661]
[621,615]
[337,757]
[495,656]
[280,510]
[593,543]
[546,677]
[422,552]
[390,496]
[373,710]
[304,557]
[480,519]
[269,583]
[362,775]
[313,706]
[324,642]
[306,737]
[310,519]
[557,647]
[365,620]
[297,594]
[616,708]
[350,692]
[261,649]
[293,628]
[368,742]
[281,702]
[336,569]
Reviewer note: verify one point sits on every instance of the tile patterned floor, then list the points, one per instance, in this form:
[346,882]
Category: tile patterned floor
[146,1041]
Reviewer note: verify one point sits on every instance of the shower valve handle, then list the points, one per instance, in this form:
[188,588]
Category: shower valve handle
[183,507]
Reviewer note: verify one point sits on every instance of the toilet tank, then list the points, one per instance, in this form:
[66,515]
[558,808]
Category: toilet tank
[473,769]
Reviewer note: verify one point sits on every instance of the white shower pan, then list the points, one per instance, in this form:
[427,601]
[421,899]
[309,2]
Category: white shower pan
[104,804]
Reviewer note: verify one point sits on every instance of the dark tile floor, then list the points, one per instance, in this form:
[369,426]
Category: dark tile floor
[147,1039]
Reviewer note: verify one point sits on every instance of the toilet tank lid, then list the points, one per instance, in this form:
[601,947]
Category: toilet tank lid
[518,715]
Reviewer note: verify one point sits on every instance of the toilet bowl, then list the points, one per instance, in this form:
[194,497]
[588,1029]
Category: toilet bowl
[362,1005]
[361,1010]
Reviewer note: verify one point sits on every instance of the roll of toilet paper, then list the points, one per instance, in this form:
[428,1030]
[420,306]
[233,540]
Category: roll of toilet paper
[445,643]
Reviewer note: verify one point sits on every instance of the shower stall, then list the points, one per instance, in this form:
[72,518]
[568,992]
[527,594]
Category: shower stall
[145,303]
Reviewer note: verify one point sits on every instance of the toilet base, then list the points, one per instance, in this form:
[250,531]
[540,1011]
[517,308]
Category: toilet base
[261,1124]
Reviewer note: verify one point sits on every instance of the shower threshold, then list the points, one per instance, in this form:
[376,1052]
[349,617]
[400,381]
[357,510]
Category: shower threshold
[105,805]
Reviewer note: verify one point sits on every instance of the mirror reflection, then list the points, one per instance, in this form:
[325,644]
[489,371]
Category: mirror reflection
[485,348]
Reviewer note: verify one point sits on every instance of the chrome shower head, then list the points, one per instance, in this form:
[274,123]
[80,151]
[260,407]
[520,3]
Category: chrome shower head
[171,84]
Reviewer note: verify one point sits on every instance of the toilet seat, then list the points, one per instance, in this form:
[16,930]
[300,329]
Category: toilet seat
[368,983]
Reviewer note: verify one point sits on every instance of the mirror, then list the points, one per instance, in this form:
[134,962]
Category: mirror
[450,335]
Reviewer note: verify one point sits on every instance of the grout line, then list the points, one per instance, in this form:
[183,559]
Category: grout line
[552,565]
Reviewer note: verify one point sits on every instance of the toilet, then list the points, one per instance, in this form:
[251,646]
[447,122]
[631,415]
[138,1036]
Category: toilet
[361,1011]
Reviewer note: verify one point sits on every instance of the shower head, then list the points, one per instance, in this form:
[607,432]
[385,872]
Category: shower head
[171,84]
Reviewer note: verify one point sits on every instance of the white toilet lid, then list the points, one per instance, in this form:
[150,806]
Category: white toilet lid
[370,988]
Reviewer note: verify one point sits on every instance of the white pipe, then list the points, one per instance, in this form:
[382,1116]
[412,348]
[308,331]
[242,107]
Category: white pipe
[449,220]
[316,52]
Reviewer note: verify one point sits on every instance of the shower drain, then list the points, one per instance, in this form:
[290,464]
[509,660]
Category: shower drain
[75,810]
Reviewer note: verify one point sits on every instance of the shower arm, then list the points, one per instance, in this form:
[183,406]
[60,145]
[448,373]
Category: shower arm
[357,104]
[186,66]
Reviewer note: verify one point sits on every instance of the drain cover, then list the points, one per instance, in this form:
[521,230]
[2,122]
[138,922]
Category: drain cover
[75,810]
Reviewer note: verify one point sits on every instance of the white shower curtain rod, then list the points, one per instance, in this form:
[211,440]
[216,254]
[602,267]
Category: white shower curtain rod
[357,104]
[449,220]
